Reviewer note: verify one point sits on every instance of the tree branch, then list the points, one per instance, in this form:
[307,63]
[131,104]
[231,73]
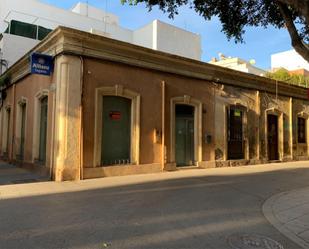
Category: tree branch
[297,4]
[301,6]
[297,42]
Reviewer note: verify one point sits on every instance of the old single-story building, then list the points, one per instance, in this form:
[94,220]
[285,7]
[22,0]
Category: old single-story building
[112,108]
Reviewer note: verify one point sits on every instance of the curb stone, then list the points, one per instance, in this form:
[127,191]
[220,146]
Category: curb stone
[271,217]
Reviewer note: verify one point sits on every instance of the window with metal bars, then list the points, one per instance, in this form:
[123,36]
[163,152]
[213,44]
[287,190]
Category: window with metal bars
[301,124]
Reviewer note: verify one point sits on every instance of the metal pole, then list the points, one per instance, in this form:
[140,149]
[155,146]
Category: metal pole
[87,9]
[105,18]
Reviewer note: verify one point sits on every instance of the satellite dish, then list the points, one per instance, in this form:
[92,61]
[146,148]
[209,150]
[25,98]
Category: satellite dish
[222,56]
[252,61]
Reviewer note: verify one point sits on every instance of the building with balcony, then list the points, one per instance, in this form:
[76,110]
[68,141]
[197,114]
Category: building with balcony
[23,25]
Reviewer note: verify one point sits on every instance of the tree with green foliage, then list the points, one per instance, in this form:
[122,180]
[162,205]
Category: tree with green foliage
[235,15]
[284,75]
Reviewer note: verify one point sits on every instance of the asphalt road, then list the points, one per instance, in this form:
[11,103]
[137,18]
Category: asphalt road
[198,209]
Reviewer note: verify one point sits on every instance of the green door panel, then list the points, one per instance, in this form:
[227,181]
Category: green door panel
[181,141]
[43,129]
[190,154]
[184,135]
[22,132]
[116,137]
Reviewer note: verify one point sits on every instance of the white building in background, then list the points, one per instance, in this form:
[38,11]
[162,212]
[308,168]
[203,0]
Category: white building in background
[16,14]
[290,60]
[238,64]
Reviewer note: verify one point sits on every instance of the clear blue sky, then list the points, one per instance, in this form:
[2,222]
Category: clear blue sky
[259,43]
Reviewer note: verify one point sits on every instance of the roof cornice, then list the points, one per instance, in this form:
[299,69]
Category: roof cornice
[70,41]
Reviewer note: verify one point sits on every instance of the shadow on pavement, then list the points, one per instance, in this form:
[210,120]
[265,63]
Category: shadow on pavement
[11,174]
[194,212]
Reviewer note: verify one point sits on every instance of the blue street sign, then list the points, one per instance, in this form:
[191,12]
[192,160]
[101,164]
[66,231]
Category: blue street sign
[42,64]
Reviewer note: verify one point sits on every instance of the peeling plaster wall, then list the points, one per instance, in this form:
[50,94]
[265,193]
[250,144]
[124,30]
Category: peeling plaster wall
[272,104]
[300,109]
[227,96]
[26,89]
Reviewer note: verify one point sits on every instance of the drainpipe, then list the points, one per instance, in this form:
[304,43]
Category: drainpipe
[163,126]
[52,160]
[13,125]
[81,132]
[291,128]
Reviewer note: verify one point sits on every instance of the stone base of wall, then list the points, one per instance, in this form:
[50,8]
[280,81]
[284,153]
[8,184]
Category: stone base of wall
[90,173]
[207,164]
[220,164]
[301,158]
[33,167]
[170,167]
[201,165]
[287,159]
[234,163]
[255,162]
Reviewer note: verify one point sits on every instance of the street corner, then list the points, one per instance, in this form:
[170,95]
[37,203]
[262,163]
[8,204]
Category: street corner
[289,213]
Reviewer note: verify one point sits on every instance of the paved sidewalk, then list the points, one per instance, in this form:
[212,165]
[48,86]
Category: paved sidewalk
[10,174]
[289,213]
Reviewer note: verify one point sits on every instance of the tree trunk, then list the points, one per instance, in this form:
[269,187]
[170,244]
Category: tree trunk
[297,42]
[301,6]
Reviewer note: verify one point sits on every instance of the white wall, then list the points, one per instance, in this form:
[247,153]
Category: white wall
[170,39]
[95,13]
[239,65]
[145,36]
[48,16]
[157,35]
[13,47]
[249,69]
[3,11]
[289,60]
[174,40]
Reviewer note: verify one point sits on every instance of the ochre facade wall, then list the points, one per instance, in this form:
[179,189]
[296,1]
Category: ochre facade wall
[211,100]
[149,85]
[7,103]
[300,109]
[281,107]
[26,90]
[247,101]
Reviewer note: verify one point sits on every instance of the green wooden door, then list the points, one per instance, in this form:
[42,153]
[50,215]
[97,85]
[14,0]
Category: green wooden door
[43,129]
[184,137]
[116,137]
[22,132]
